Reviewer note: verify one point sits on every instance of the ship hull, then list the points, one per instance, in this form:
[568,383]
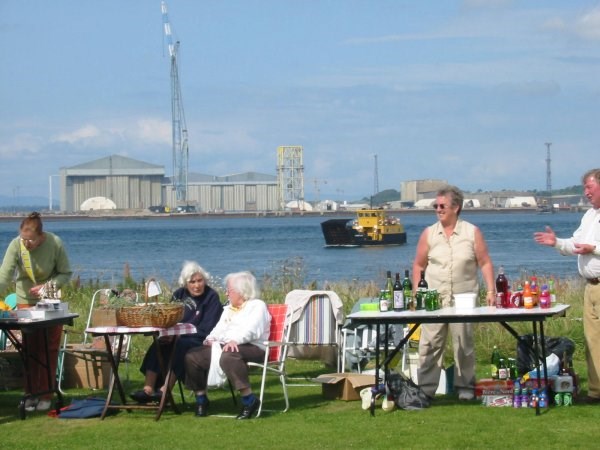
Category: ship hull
[339,233]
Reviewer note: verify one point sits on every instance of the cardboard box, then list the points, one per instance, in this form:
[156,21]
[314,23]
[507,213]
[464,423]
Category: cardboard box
[344,386]
[493,387]
[88,374]
[497,400]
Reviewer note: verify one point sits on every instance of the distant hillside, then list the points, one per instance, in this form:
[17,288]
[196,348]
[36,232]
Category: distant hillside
[389,195]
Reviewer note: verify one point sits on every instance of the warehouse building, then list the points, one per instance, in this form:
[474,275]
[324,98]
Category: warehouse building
[137,185]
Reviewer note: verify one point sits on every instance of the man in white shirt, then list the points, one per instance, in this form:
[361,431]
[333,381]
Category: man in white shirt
[585,243]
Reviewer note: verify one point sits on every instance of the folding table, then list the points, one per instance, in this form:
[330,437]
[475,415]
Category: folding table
[536,316]
[119,333]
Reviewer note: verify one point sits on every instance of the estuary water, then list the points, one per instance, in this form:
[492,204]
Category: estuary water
[100,249]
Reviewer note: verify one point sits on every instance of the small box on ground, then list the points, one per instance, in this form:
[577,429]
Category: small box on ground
[344,386]
[88,374]
[494,392]
[491,386]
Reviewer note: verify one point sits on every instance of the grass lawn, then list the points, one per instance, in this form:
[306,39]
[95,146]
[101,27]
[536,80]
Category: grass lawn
[311,422]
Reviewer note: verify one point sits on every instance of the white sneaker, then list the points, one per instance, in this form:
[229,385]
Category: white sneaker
[366,396]
[30,404]
[388,403]
[465,395]
[43,405]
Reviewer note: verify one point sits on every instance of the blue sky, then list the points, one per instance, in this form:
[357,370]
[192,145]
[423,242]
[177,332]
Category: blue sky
[468,91]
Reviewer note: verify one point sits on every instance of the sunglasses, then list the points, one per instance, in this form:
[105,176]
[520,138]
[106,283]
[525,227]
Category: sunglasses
[436,206]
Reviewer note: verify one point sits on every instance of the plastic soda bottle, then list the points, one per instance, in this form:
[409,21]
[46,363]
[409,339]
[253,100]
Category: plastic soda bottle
[501,289]
[545,297]
[552,292]
[543,401]
[384,300]
[535,290]
[527,296]
[517,394]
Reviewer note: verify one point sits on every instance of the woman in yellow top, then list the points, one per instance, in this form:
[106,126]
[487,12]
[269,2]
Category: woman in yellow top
[34,258]
[450,252]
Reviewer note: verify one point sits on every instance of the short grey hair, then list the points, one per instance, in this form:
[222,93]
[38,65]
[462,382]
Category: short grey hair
[243,283]
[189,269]
[456,196]
[591,173]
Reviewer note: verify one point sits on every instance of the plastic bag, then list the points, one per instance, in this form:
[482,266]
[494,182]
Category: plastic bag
[553,365]
[407,395]
[216,376]
[553,345]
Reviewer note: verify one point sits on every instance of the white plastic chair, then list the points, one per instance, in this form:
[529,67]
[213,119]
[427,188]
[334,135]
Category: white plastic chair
[93,351]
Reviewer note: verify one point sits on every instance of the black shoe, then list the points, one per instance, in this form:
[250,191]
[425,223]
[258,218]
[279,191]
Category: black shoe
[247,411]
[142,396]
[202,409]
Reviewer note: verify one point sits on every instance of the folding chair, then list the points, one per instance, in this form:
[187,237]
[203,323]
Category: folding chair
[316,324]
[276,354]
[93,351]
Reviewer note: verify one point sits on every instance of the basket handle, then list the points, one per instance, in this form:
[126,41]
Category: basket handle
[152,289]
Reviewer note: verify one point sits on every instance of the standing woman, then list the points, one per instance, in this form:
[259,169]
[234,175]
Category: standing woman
[244,326]
[202,308]
[36,257]
[450,252]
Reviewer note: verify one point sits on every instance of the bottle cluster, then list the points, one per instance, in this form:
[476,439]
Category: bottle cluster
[526,394]
[528,293]
[398,296]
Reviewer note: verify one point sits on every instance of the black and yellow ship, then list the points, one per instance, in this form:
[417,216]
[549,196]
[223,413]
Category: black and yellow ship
[371,227]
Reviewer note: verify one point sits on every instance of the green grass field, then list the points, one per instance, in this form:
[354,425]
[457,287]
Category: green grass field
[312,421]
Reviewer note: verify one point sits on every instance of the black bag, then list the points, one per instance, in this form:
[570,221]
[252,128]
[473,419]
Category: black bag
[557,345]
[407,395]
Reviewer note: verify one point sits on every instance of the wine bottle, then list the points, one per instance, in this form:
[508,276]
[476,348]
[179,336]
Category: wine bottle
[407,288]
[422,288]
[398,294]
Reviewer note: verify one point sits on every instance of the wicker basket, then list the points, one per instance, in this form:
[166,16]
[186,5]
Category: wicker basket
[161,315]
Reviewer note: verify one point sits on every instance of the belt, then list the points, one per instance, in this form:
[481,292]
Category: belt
[593,280]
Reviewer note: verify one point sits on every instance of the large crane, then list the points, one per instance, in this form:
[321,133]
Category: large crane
[179,128]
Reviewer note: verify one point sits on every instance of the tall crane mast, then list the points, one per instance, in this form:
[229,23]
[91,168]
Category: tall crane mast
[179,127]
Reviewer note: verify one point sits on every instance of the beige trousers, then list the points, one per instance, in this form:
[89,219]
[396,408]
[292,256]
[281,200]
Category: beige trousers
[591,331]
[431,356]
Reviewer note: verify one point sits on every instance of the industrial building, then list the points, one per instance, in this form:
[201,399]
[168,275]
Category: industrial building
[137,185]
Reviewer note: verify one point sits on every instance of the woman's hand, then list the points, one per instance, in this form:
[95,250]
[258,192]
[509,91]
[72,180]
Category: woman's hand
[231,346]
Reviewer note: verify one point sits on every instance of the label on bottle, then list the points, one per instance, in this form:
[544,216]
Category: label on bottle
[500,300]
[398,300]
[528,302]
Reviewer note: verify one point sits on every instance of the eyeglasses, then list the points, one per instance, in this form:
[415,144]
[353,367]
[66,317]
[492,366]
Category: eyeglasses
[29,241]
[441,206]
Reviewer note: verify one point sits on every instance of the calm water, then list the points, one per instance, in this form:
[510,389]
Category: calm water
[100,249]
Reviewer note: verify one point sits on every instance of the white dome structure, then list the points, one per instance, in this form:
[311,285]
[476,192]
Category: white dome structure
[299,205]
[96,203]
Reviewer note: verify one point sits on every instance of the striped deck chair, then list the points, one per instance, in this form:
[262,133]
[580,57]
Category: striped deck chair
[316,323]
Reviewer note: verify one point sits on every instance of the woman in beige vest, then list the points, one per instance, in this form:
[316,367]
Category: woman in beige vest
[450,252]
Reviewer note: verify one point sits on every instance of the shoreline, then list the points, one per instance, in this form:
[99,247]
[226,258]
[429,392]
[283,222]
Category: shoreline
[147,215]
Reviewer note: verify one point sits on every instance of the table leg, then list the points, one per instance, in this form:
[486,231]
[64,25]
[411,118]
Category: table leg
[166,369]
[114,379]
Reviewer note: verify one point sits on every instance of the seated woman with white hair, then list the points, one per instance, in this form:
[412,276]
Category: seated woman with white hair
[202,308]
[241,331]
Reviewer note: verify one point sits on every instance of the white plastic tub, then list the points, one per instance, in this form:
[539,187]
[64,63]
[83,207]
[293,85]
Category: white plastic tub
[465,301]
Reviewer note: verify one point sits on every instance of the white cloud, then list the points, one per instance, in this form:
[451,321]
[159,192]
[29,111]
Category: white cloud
[588,25]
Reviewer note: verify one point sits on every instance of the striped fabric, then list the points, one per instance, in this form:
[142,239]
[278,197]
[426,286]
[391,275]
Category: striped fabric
[278,315]
[317,326]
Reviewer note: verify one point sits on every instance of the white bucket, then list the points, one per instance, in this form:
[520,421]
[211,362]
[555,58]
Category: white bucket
[465,301]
